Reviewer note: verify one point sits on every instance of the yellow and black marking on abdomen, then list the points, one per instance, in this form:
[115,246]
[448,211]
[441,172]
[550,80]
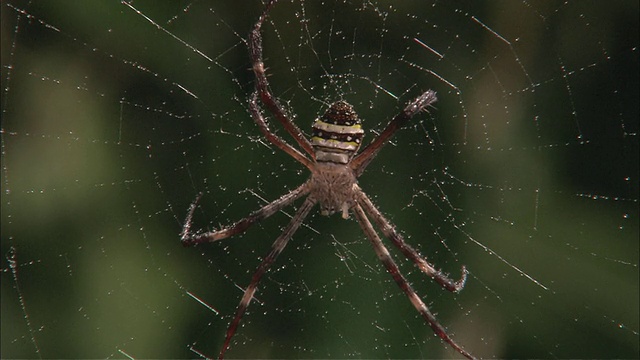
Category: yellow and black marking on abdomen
[337,134]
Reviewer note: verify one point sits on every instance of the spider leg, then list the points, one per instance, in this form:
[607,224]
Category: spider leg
[361,160]
[390,232]
[273,207]
[276,249]
[392,268]
[262,85]
[273,138]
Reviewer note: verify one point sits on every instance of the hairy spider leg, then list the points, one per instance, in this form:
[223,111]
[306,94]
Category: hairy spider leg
[390,233]
[360,161]
[254,108]
[262,85]
[241,226]
[276,249]
[392,268]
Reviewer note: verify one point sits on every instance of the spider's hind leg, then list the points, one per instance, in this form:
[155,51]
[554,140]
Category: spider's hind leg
[421,103]
[254,43]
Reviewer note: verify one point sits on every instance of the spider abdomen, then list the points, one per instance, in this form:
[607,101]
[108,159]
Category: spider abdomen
[337,134]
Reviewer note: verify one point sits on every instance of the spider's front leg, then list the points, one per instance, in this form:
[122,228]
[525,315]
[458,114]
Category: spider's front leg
[241,226]
[276,249]
[390,233]
[392,268]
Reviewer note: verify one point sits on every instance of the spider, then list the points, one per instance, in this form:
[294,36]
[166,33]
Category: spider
[335,165]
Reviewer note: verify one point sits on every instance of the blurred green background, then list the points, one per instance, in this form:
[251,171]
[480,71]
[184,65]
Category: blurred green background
[526,171]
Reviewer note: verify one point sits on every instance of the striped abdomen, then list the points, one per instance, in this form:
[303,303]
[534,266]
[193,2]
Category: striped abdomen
[337,134]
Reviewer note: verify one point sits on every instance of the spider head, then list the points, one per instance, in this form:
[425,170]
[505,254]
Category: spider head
[337,134]
[332,185]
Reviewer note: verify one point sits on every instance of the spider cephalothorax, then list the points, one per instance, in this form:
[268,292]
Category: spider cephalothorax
[334,161]
[333,186]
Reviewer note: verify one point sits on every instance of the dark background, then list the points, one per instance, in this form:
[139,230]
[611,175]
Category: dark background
[526,171]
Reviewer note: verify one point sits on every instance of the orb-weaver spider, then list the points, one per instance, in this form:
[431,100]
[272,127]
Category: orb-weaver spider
[335,165]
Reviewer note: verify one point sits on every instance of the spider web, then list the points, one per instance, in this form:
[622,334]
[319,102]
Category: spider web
[115,115]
